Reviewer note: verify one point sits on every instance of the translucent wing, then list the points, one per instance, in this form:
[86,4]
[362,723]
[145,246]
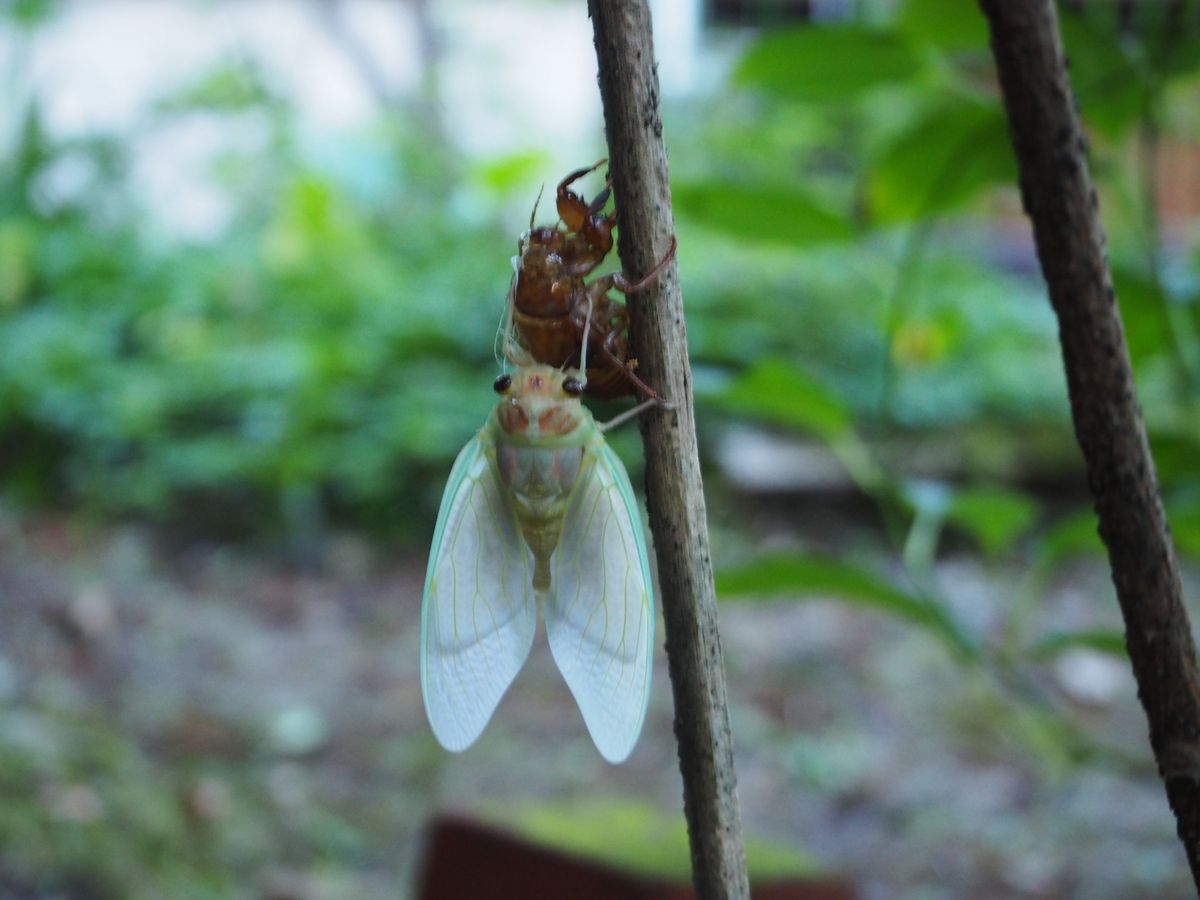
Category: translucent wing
[600,617]
[478,615]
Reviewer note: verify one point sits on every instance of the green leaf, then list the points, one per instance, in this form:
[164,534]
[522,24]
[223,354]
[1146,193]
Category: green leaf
[232,87]
[1175,454]
[1143,313]
[1184,518]
[794,574]
[827,63]
[994,516]
[951,27]
[780,394]
[1120,73]
[762,213]
[513,170]
[30,13]
[1111,90]
[639,838]
[1104,640]
[958,147]
[1076,535]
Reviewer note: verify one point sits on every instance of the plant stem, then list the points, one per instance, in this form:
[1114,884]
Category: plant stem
[675,495]
[1061,202]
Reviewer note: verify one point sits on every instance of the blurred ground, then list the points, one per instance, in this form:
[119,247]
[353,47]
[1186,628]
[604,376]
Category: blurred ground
[186,721]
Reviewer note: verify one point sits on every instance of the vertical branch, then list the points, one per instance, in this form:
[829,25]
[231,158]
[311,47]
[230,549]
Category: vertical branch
[675,495]
[1061,202]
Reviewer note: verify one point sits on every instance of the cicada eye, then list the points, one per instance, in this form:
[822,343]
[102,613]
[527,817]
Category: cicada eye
[502,383]
[572,386]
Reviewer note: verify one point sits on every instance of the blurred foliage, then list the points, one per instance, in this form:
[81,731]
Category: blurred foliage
[636,837]
[850,276]
[857,275]
[847,582]
[322,353]
[929,320]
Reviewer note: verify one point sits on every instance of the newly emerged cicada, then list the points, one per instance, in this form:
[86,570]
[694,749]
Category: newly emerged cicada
[554,311]
[538,514]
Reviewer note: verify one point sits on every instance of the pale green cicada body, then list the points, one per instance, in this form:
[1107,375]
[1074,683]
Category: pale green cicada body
[538,514]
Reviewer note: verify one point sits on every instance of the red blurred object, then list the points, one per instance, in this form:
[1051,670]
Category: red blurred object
[466,860]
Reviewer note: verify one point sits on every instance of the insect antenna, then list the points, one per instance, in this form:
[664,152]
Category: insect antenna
[533,212]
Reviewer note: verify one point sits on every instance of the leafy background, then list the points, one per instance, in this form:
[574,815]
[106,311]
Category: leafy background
[221,457]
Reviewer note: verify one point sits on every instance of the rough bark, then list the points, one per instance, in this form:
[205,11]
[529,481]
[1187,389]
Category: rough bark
[675,494]
[1061,202]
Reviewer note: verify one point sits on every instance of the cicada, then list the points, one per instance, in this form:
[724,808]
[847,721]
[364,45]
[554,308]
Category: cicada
[538,515]
[559,318]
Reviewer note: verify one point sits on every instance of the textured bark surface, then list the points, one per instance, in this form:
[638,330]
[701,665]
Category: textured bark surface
[1061,202]
[675,495]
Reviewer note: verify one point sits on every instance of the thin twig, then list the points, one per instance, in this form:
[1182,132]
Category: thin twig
[1061,202]
[675,495]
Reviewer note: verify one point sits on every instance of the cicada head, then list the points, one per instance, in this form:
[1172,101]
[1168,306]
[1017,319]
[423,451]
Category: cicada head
[540,402]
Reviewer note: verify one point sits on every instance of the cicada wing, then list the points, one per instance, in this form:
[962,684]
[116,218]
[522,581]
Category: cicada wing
[600,615]
[478,615]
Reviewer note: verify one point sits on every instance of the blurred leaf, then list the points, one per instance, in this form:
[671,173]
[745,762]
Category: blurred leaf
[1143,313]
[1175,455]
[779,394]
[1111,90]
[513,170]
[1184,518]
[637,837]
[1119,73]
[950,27]
[958,147]
[1076,535]
[774,213]
[793,574]
[827,63]
[229,87]
[29,13]
[1103,640]
[17,240]
[994,516]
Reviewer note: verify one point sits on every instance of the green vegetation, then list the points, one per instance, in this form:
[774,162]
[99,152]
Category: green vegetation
[639,838]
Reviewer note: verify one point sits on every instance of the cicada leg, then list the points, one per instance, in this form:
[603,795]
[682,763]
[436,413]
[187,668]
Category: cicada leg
[626,367]
[584,220]
[572,208]
[622,283]
[621,418]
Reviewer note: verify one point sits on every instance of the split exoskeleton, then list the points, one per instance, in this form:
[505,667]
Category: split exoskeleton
[560,319]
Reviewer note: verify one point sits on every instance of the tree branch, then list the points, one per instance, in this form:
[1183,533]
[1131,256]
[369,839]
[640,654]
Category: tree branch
[675,495]
[1061,202]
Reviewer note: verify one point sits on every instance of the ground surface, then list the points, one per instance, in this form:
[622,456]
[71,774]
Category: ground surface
[192,720]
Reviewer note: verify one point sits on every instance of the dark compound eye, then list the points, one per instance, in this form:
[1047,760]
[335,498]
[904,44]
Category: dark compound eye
[502,383]
[572,386]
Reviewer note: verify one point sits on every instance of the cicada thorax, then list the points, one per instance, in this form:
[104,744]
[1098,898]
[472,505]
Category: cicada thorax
[540,435]
[551,299]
